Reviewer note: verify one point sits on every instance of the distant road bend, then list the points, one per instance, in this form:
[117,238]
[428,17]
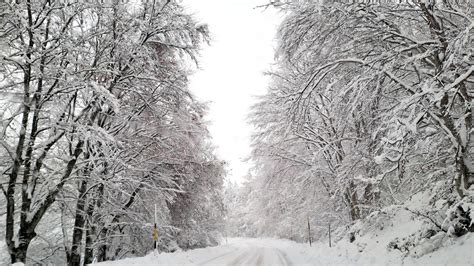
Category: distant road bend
[251,255]
[233,252]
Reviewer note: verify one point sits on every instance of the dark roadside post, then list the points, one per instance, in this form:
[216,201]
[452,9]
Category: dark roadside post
[309,233]
[155,233]
[329,233]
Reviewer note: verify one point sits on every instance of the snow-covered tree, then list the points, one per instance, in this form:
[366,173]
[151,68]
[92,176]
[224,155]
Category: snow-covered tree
[97,125]
[371,102]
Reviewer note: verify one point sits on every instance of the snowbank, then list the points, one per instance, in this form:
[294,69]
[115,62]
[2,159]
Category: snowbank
[396,235]
[459,252]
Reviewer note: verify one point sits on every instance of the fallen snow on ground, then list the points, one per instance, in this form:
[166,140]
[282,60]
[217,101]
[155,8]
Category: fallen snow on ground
[244,251]
[237,251]
[376,253]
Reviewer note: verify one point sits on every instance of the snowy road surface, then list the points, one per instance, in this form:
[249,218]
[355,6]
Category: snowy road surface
[252,255]
[237,251]
[245,251]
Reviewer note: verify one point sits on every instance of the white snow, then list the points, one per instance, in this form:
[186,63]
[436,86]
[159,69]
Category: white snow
[238,251]
[245,251]
[388,237]
[4,256]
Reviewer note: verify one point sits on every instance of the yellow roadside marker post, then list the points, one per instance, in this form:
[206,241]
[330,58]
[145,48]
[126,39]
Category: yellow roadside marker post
[155,233]
[155,237]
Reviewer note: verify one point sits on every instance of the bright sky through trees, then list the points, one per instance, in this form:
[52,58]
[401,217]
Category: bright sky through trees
[345,128]
[232,71]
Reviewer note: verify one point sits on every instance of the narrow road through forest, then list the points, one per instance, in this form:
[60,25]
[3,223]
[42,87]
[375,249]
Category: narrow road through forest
[233,252]
[278,252]
[251,255]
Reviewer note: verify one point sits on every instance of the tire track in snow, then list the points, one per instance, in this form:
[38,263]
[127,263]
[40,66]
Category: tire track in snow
[247,256]
[216,258]
[284,258]
[260,257]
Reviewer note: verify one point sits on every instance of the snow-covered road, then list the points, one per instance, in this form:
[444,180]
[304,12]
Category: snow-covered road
[252,255]
[237,251]
[249,251]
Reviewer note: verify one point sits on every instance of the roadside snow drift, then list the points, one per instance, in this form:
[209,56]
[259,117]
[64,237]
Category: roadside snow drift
[244,251]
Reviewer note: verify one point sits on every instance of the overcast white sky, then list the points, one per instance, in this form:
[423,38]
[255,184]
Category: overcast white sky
[232,71]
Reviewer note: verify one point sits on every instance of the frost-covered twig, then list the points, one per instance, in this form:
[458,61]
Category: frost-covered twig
[427,217]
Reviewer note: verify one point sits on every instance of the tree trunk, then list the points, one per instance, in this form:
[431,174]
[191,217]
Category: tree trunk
[102,249]
[90,231]
[18,254]
[461,181]
[80,219]
[26,232]
[102,237]
[351,198]
[89,251]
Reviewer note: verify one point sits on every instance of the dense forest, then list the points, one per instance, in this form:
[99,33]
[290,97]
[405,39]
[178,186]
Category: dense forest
[367,121]
[369,108]
[99,134]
